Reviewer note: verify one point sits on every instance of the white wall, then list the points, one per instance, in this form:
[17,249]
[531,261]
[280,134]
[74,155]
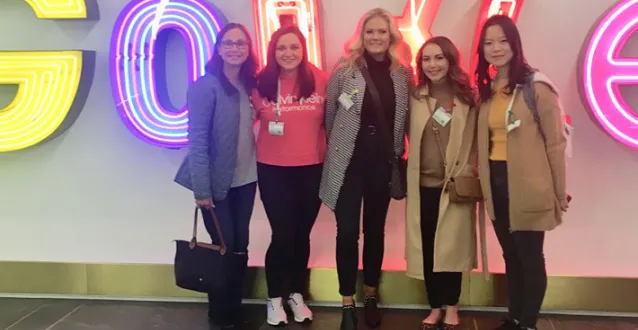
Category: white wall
[98,194]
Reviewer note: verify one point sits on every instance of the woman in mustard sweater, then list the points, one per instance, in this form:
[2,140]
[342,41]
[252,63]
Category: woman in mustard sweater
[521,163]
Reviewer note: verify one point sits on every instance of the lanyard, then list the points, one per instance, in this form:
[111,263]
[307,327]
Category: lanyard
[277,107]
[510,118]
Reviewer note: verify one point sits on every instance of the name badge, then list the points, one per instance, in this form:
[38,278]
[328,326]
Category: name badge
[276,128]
[442,117]
[513,125]
[346,101]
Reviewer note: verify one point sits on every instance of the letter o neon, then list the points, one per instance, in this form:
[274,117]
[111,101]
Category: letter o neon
[137,46]
[603,70]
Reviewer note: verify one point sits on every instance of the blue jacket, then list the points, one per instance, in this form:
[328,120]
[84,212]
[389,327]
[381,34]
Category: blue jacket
[213,116]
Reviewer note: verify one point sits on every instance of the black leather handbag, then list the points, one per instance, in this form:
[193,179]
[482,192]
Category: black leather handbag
[202,267]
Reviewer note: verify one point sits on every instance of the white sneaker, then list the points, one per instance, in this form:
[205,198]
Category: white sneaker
[276,313]
[299,308]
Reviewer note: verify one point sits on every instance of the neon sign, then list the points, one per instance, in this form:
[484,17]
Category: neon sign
[603,71]
[138,47]
[42,109]
[417,18]
[270,15]
[416,21]
[63,9]
[52,85]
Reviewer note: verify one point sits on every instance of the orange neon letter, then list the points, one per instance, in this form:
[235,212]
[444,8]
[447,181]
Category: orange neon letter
[270,15]
[490,8]
[416,21]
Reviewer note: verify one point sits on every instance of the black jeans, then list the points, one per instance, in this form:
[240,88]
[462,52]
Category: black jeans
[291,199]
[444,288]
[367,178]
[523,254]
[234,215]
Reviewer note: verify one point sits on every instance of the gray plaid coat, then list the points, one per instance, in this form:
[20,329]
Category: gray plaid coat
[342,126]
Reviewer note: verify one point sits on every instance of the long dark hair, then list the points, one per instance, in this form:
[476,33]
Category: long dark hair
[268,77]
[458,79]
[248,69]
[518,71]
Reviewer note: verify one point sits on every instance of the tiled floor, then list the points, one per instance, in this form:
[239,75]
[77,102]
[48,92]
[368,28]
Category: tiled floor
[38,314]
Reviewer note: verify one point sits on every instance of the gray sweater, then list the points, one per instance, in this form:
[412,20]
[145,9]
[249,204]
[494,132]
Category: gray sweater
[213,115]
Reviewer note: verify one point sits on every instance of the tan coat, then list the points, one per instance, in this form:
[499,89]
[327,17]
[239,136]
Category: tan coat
[535,169]
[455,238]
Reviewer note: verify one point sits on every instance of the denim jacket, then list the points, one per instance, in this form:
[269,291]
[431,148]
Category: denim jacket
[213,115]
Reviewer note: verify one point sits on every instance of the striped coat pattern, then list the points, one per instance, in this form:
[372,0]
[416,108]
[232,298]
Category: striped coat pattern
[342,125]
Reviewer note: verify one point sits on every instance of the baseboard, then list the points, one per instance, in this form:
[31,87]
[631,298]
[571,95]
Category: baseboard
[152,282]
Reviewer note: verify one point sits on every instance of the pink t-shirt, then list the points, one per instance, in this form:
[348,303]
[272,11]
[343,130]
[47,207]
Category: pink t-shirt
[304,139]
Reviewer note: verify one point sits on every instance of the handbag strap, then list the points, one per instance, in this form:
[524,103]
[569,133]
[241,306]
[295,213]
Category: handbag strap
[437,137]
[439,144]
[222,247]
[376,99]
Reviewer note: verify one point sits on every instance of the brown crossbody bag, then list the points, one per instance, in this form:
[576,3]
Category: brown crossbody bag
[461,188]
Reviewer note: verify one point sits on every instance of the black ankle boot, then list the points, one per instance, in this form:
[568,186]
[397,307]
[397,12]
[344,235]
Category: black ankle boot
[372,313]
[508,324]
[348,318]
[217,322]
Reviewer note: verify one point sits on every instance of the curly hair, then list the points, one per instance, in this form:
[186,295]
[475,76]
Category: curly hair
[458,79]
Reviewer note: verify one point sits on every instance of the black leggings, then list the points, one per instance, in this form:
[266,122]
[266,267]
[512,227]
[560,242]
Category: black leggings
[523,254]
[444,288]
[370,183]
[291,199]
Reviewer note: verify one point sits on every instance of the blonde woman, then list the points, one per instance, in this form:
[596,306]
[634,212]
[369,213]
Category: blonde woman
[366,106]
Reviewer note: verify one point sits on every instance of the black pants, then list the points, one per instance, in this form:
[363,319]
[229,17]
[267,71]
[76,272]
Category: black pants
[234,215]
[523,254]
[291,199]
[367,179]
[444,288]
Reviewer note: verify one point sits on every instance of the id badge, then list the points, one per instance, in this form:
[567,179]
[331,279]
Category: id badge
[513,125]
[442,117]
[276,128]
[346,101]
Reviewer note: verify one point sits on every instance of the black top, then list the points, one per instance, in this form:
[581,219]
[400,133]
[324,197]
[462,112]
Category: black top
[371,147]
[380,74]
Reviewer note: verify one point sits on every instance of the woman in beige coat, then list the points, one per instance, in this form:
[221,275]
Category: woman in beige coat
[441,237]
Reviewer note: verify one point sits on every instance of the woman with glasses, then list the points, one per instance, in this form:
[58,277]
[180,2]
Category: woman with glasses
[221,167]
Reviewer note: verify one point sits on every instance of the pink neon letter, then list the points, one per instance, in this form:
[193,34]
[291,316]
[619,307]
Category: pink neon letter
[603,71]
[416,21]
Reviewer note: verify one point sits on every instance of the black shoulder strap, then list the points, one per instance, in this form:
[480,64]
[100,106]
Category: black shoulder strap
[374,93]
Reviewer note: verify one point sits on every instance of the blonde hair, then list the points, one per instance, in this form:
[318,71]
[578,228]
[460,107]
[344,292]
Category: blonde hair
[399,51]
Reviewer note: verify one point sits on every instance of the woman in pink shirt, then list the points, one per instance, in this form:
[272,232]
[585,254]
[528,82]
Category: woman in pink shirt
[289,102]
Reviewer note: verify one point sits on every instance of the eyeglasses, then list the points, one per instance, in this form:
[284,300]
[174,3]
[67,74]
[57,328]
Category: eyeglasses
[228,44]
